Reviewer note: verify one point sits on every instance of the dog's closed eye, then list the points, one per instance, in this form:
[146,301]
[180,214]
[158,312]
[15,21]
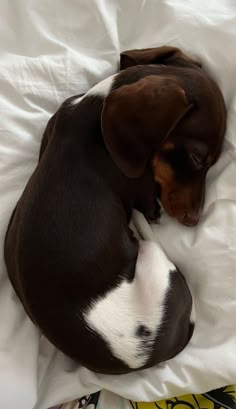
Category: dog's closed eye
[197,160]
[198,155]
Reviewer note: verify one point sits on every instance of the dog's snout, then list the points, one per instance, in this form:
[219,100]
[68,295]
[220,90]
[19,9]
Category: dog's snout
[190,219]
[192,216]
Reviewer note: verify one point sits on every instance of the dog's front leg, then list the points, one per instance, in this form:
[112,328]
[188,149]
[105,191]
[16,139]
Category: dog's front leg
[148,194]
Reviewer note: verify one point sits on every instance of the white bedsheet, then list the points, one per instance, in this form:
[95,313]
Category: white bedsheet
[51,50]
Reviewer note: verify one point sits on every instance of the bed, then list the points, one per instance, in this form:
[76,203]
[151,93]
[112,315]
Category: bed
[51,50]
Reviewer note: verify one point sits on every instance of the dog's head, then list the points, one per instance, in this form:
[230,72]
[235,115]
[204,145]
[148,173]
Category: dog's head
[174,119]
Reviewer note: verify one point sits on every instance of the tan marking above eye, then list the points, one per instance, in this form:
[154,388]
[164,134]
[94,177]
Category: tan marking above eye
[168,146]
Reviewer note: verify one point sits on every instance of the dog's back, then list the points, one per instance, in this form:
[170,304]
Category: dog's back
[69,242]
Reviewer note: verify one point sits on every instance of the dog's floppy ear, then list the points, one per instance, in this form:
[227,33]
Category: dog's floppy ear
[137,118]
[159,55]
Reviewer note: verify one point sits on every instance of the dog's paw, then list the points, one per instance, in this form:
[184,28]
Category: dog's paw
[154,215]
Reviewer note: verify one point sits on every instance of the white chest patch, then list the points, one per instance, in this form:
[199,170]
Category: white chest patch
[129,316]
[101,89]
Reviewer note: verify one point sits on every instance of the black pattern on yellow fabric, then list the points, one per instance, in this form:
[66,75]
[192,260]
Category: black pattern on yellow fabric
[222,398]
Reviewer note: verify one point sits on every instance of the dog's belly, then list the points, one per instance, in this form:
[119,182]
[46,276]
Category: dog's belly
[129,316]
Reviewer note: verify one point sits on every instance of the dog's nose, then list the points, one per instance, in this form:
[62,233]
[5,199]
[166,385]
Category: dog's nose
[190,219]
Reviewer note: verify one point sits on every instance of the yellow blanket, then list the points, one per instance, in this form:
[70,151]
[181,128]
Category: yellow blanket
[217,399]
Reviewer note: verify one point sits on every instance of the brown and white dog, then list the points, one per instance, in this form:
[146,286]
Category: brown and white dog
[108,301]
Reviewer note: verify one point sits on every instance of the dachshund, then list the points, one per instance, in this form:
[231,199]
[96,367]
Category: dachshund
[109,301]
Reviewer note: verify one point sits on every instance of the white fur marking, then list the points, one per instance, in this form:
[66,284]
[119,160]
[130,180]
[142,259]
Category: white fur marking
[101,89]
[76,100]
[118,315]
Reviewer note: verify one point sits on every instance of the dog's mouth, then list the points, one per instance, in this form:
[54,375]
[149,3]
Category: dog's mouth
[187,218]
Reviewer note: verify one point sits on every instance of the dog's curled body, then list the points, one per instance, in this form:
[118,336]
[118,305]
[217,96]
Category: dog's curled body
[83,278]
[110,302]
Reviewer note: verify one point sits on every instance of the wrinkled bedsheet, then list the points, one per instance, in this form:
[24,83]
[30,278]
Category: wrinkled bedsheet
[50,50]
